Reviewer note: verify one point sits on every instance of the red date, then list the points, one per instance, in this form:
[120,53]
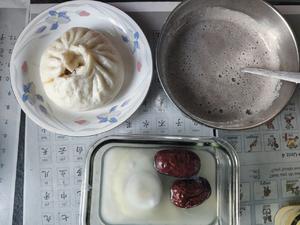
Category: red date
[189,193]
[177,163]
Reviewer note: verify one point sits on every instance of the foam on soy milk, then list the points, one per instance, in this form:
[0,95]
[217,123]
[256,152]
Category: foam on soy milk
[204,63]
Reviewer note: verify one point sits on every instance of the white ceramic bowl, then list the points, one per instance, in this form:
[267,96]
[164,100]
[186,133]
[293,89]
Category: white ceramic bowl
[47,27]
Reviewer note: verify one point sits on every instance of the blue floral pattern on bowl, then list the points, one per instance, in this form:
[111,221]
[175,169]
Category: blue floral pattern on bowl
[29,94]
[112,115]
[132,40]
[55,18]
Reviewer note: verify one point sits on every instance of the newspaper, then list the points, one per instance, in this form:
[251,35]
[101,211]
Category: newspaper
[268,154]
[9,109]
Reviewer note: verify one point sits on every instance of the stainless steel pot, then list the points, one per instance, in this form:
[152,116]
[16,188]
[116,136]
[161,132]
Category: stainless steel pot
[202,47]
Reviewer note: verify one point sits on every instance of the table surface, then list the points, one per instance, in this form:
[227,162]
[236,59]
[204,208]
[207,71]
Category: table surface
[18,202]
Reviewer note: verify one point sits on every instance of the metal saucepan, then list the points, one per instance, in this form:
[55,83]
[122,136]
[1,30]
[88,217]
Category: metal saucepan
[204,45]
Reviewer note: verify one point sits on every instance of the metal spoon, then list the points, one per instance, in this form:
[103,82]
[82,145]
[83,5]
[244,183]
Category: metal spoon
[281,75]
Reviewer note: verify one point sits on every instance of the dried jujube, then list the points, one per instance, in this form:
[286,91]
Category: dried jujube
[177,163]
[189,193]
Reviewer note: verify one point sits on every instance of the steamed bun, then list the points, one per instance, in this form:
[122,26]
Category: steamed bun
[81,70]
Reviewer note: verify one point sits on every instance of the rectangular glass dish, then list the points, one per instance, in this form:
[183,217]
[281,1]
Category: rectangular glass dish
[109,189]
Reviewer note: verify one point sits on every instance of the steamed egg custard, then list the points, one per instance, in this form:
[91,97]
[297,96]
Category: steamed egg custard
[133,192]
[143,190]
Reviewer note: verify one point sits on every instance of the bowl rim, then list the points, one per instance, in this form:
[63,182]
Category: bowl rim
[95,131]
[208,123]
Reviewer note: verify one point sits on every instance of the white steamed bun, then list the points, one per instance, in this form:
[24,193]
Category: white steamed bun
[81,70]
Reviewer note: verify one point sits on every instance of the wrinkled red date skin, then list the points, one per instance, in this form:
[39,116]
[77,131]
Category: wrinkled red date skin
[189,193]
[177,163]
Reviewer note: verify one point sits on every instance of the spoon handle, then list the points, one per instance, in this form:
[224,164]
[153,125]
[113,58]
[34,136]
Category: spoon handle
[281,75]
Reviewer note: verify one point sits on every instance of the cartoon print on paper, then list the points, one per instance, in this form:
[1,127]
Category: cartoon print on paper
[253,144]
[288,121]
[46,196]
[291,141]
[293,187]
[267,215]
[48,218]
[146,123]
[270,124]
[179,122]
[272,143]
[267,191]
[161,123]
